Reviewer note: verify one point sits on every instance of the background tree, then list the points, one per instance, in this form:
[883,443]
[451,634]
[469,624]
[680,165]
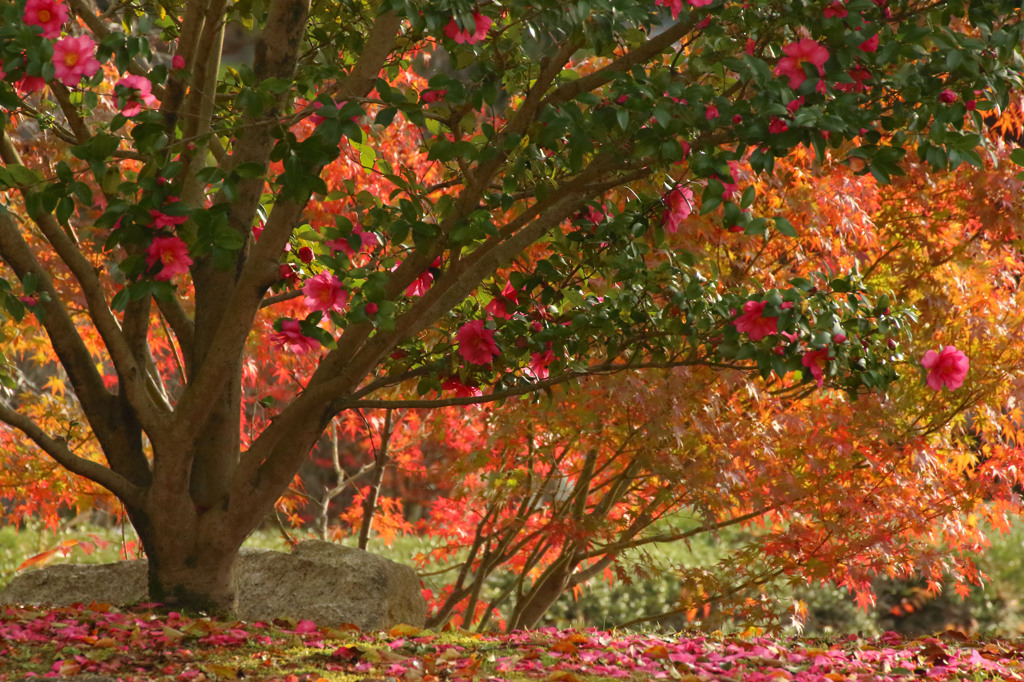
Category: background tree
[903,484]
[565,143]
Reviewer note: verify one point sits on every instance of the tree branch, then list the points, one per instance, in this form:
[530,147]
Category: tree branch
[261,268]
[57,448]
[623,64]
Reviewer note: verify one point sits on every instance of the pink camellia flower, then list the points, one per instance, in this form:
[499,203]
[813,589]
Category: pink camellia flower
[815,362]
[700,3]
[595,214]
[871,44]
[947,96]
[729,189]
[711,112]
[74,58]
[317,119]
[139,94]
[162,220]
[859,74]
[777,125]
[539,362]
[431,96]
[171,253]
[499,305]
[178,62]
[421,284]
[324,292]
[836,10]
[460,389]
[292,338]
[948,366]
[367,241]
[476,343]
[797,54]
[481,24]
[753,322]
[674,6]
[29,84]
[48,14]
[679,202]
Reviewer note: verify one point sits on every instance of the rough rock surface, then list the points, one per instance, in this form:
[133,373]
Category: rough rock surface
[326,583]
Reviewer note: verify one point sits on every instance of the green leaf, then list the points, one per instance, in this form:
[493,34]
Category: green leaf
[120,301]
[785,227]
[23,176]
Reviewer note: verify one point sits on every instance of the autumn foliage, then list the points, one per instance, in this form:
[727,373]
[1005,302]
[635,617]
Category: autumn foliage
[577,272]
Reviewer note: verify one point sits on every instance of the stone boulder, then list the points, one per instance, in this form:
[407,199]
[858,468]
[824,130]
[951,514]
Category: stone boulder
[319,581]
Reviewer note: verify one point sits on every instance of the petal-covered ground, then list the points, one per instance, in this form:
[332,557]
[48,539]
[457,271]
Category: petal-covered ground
[100,641]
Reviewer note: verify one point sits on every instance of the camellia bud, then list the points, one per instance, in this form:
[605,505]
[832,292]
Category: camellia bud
[839,338]
[371,308]
[306,254]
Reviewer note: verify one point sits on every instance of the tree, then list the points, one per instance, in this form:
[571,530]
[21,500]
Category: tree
[893,484]
[565,141]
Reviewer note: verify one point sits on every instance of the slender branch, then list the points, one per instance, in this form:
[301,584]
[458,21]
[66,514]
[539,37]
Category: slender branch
[661,538]
[642,54]
[182,327]
[60,92]
[379,465]
[16,248]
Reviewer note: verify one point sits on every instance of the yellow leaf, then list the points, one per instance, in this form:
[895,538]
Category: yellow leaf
[56,386]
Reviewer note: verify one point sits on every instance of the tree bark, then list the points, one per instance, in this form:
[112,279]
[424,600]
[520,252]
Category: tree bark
[192,556]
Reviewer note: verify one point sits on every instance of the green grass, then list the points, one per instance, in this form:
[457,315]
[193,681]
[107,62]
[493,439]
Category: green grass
[651,583]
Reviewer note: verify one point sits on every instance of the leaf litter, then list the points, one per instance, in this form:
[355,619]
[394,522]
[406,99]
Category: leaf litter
[103,642]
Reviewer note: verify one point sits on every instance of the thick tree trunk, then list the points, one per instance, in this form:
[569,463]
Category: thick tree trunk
[192,554]
[202,580]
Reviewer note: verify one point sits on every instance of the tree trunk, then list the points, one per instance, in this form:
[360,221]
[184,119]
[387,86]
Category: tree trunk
[550,586]
[203,580]
[192,554]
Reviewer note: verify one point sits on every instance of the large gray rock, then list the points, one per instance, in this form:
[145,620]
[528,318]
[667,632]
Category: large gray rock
[326,583]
